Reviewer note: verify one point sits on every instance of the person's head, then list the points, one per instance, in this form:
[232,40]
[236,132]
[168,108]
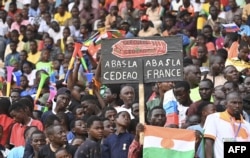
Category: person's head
[110,113]
[192,75]
[90,105]
[66,32]
[86,3]
[202,52]
[12,6]
[23,55]
[62,99]
[95,128]
[218,94]
[135,110]
[27,67]
[45,55]
[232,4]
[84,29]
[190,121]
[154,3]
[47,17]
[110,94]
[125,25]
[34,4]
[52,120]
[55,26]
[108,127]
[19,112]
[205,108]
[145,22]
[62,153]
[123,119]
[213,11]
[243,51]
[28,132]
[206,87]
[164,86]
[43,7]
[181,92]
[169,21]
[48,42]
[13,46]
[129,4]
[3,14]
[65,122]
[234,104]
[237,20]
[14,35]
[33,46]
[223,53]
[216,64]
[127,95]
[61,9]
[19,17]
[38,139]
[60,57]
[75,11]
[56,135]
[24,83]
[231,74]
[157,116]
[77,141]
[185,16]
[207,31]
[200,39]
[29,34]
[230,87]
[247,84]
[230,38]
[76,22]
[114,10]
[5,104]
[78,127]
[242,90]
[15,95]
[78,112]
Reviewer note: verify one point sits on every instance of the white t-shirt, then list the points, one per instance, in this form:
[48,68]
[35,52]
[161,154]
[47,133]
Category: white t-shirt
[56,35]
[220,127]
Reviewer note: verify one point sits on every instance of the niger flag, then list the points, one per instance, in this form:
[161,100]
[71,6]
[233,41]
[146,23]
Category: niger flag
[160,142]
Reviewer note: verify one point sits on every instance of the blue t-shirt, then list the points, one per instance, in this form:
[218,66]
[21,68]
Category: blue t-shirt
[200,151]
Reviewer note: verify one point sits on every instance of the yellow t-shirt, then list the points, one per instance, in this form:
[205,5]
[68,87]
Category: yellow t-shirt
[61,19]
[34,58]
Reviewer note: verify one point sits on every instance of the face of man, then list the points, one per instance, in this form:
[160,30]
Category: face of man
[127,95]
[205,90]
[234,104]
[158,117]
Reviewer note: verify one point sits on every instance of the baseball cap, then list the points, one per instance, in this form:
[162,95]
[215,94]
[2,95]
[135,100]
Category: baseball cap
[70,40]
[144,18]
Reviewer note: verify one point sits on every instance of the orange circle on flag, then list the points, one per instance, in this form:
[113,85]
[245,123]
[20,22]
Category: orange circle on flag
[167,143]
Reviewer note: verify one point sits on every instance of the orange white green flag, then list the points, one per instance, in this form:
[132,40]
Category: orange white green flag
[160,142]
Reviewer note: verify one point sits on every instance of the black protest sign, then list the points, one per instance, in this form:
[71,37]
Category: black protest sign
[135,60]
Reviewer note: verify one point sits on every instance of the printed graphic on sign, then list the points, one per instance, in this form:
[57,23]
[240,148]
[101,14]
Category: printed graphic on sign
[134,48]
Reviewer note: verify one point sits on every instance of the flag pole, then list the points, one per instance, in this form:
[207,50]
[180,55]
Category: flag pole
[141,109]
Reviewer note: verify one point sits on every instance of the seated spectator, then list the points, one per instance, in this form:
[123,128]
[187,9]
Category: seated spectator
[14,55]
[18,22]
[146,30]
[89,13]
[155,13]
[62,15]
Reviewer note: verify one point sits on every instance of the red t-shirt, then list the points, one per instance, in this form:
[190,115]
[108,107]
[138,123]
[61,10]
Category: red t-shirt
[6,122]
[17,132]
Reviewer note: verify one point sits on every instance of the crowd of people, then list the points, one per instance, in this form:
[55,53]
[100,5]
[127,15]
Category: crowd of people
[92,120]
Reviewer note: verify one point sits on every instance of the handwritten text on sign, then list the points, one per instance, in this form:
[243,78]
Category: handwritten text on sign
[152,59]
